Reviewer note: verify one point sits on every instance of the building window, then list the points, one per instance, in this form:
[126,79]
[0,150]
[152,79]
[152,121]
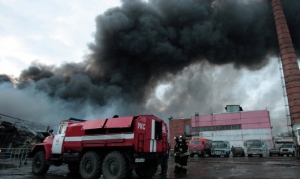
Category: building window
[187,129]
[214,128]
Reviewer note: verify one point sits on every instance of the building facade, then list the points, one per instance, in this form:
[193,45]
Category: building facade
[235,127]
[178,127]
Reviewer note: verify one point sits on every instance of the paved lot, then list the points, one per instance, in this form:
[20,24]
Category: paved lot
[240,167]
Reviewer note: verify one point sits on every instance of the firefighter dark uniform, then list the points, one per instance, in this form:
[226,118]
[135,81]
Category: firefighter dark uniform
[184,154]
[177,155]
[233,151]
[164,165]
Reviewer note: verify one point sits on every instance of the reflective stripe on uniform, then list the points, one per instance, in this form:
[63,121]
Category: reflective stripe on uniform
[184,154]
[184,167]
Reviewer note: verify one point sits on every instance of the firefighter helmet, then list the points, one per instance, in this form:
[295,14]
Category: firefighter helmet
[182,137]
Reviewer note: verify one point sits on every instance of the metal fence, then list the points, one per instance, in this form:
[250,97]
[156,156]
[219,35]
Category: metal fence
[16,156]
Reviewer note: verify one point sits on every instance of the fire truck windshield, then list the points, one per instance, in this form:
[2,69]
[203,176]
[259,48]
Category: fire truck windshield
[195,142]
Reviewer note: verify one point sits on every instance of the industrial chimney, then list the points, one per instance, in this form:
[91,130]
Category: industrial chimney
[289,62]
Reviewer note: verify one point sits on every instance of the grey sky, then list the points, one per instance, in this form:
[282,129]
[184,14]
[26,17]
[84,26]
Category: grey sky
[57,33]
[52,32]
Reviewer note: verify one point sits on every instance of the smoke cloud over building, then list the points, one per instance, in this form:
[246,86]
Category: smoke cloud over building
[182,44]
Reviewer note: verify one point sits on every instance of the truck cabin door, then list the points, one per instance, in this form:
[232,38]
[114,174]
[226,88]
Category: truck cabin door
[58,139]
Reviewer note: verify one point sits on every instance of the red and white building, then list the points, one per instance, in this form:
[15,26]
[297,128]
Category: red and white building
[235,127]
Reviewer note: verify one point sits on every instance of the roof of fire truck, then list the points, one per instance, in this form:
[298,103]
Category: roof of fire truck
[114,122]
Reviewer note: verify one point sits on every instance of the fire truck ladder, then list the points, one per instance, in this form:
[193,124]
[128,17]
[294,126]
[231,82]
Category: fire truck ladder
[140,147]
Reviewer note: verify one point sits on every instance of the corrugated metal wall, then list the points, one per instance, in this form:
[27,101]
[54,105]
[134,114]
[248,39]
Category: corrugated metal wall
[248,119]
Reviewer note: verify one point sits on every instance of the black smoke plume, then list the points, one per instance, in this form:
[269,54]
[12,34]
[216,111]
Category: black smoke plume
[140,44]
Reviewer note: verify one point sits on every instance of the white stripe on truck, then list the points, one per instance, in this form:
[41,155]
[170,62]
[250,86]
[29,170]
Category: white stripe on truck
[100,137]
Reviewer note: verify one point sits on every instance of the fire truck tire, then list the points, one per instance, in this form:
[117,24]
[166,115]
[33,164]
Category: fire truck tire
[39,165]
[73,167]
[115,166]
[147,170]
[90,165]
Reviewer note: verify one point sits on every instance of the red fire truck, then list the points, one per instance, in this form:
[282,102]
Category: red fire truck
[200,147]
[113,147]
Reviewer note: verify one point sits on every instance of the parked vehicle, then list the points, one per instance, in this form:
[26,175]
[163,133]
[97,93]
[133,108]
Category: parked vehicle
[296,138]
[287,149]
[255,147]
[113,147]
[200,147]
[238,151]
[274,151]
[220,148]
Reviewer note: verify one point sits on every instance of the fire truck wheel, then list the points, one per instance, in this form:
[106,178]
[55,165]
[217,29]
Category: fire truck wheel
[73,167]
[147,170]
[90,165]
[39,165]
[115,166]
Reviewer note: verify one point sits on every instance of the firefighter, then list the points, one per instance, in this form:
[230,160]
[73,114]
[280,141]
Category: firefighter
[184,154]
[164,165]
[177,155]
[233,151]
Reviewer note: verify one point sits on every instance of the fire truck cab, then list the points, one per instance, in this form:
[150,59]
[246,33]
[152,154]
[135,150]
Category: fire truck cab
[113,147]
[200,147]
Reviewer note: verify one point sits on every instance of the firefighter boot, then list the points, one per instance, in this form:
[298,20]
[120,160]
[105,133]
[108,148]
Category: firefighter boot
[176,169]
[179,170]
[162,173]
